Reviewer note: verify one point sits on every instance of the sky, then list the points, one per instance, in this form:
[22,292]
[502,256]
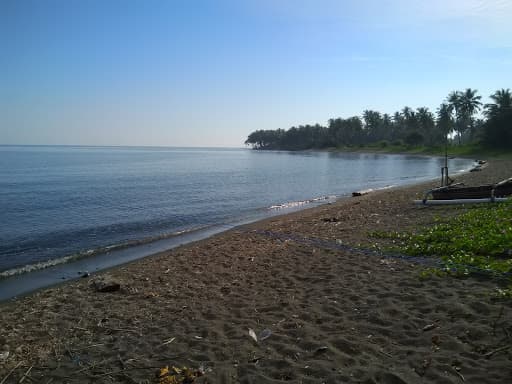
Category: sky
[209,72]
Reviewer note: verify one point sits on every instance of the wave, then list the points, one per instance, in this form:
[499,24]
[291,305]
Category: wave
[294,204]
[93,252]
[19,270]
[385,187]
[324,199]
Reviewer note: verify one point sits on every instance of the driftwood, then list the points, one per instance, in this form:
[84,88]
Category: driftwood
[362,193]
[489,354]
[106,285]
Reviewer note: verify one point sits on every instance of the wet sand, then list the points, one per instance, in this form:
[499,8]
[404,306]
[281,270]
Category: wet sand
[335,314]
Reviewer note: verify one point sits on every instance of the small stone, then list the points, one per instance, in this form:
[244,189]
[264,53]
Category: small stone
[321,350]
[428,327]
[106,285]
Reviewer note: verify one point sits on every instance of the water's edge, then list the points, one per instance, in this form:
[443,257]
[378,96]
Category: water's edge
[75,267]
[71,268]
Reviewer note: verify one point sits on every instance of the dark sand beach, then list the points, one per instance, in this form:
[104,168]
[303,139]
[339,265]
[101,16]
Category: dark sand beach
[335,314]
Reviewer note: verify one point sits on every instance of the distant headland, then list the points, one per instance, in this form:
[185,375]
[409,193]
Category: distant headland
[456,122]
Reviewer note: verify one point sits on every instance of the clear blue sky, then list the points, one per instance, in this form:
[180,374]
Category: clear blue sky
[207,73]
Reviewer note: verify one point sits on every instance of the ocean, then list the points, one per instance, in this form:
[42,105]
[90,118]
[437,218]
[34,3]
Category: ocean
[59,204]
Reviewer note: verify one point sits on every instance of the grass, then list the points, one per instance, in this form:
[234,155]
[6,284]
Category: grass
[478,241]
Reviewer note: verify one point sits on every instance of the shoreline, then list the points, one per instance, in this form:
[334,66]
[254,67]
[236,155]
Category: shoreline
[44,249]
[19,283]
[467,153]
[334,315]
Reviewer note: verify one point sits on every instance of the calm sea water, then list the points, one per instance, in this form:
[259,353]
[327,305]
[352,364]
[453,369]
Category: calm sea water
[66,201]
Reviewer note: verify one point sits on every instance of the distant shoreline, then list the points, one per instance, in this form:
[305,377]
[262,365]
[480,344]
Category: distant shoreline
[464,152]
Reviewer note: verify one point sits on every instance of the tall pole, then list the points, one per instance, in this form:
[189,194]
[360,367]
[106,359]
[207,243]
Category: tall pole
[444,177]
[446,154]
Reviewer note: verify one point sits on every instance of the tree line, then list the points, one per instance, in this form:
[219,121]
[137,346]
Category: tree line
[454,119]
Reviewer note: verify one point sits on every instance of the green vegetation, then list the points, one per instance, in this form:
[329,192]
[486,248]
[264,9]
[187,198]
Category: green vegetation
[475,242]
[465,150]
[412,131]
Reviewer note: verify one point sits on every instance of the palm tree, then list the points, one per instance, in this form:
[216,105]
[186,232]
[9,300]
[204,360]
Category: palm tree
[502,102]
[398,126]
[454,99]
[426,124]
[407,112]
[469,104]
[464,104]
[372,123]
[454,102]
[497,129]
[444,119]
[410,119]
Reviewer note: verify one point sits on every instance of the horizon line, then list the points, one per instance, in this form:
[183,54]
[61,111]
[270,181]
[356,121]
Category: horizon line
[120,146]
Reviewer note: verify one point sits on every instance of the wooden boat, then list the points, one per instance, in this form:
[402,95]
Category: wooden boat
[459,191]
[460,194]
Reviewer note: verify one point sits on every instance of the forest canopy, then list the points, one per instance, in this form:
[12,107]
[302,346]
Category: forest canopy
[456,118]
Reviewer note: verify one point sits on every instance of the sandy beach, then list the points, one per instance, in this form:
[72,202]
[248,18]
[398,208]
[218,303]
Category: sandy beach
[323,310]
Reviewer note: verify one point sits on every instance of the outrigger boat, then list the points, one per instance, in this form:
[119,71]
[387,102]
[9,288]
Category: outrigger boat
[458,191]
[449,193]
[460,194]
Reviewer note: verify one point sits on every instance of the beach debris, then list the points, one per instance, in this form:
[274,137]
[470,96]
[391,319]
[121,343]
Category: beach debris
[26,374]
[256,360]
[175,375]
[456,368]
[321,350]
[4,355]
[164,371]
[362,193]
[252,334]
[168,341]
[489,354]
[204,370]
[385,353]
[106,285]
[265,334]
[429,327]
[459,374]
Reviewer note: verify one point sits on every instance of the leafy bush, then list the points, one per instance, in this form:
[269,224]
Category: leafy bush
[479,240]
